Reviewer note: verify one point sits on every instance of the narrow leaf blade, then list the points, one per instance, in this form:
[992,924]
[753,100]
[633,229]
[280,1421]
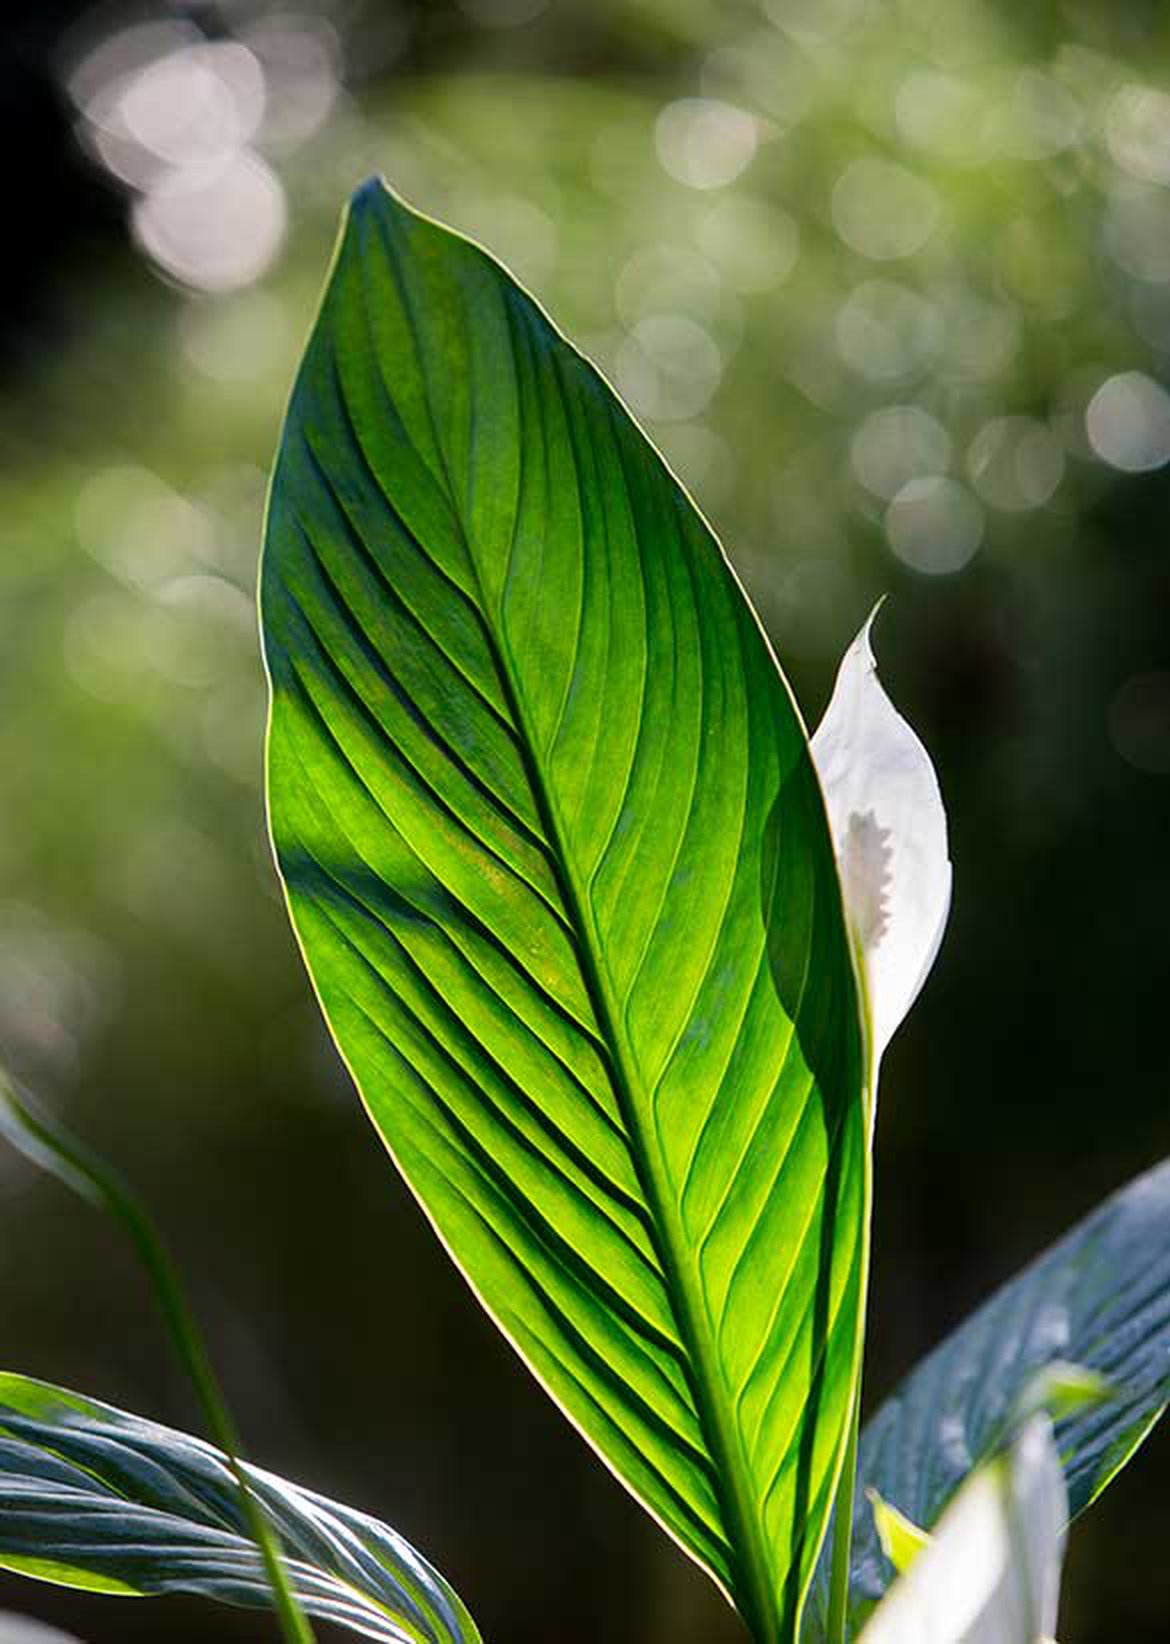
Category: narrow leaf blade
[558,860]
[94,1498]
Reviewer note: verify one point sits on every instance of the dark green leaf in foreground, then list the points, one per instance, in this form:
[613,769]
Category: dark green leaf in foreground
[91,1497]
[559,864]
[50,1146]
[1100,1299]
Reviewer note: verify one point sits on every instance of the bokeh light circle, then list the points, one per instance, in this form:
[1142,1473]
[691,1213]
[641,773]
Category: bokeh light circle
[934,525]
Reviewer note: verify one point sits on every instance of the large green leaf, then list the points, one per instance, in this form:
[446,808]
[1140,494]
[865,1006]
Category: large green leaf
[559,864]
[91,1497]
[1099,1298]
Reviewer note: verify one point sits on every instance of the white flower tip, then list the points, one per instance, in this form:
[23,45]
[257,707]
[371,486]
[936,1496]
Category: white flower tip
[992,1568]
[890,832]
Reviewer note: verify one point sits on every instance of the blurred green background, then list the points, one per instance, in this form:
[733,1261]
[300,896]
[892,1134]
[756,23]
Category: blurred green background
[889,282]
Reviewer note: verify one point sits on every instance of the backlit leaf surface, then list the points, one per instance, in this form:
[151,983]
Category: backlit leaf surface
[559,864]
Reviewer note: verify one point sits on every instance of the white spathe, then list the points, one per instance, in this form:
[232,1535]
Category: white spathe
[19,1629]
[991,1572]
[890,833]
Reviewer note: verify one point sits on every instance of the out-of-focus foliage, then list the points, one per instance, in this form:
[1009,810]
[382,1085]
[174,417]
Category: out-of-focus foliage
[889,283]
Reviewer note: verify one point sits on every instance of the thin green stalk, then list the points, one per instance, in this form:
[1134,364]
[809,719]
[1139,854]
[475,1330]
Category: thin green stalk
[838,1615]
[843,1530]
[48,1145]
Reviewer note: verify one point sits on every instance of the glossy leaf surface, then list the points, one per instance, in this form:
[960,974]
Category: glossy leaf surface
[51,1147]
[1099,1298]
[559,864]
[94,1498]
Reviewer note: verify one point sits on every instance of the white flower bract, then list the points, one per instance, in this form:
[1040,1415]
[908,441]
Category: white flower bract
[890,833]
[991,1572]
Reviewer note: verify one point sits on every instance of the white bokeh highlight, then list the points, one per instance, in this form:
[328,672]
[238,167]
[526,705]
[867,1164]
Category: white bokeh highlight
[705,142]
[217,227]
[1128,423]
[189,124]
[883,211]
[897,444]
[1137,132]
[934,525]
[1015,463]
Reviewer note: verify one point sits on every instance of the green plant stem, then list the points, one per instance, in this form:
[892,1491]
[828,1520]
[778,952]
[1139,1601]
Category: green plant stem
[843,1530]
[51,1147]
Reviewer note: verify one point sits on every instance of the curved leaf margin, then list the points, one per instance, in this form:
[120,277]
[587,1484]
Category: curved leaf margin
[480,935]
[94,1498]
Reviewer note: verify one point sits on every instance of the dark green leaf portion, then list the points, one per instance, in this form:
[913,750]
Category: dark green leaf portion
[91,1497]
[50,1146]
[558,860]
[1100,1299]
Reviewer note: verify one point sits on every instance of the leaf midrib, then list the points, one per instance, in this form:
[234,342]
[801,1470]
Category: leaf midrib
[704,1382]
[754,1593]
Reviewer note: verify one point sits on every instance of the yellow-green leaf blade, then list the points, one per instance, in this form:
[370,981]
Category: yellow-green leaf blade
[559,864]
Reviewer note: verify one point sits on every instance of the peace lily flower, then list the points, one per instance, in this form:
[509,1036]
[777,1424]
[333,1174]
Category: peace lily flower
[990,1574]
[890,833]
[19,1629]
